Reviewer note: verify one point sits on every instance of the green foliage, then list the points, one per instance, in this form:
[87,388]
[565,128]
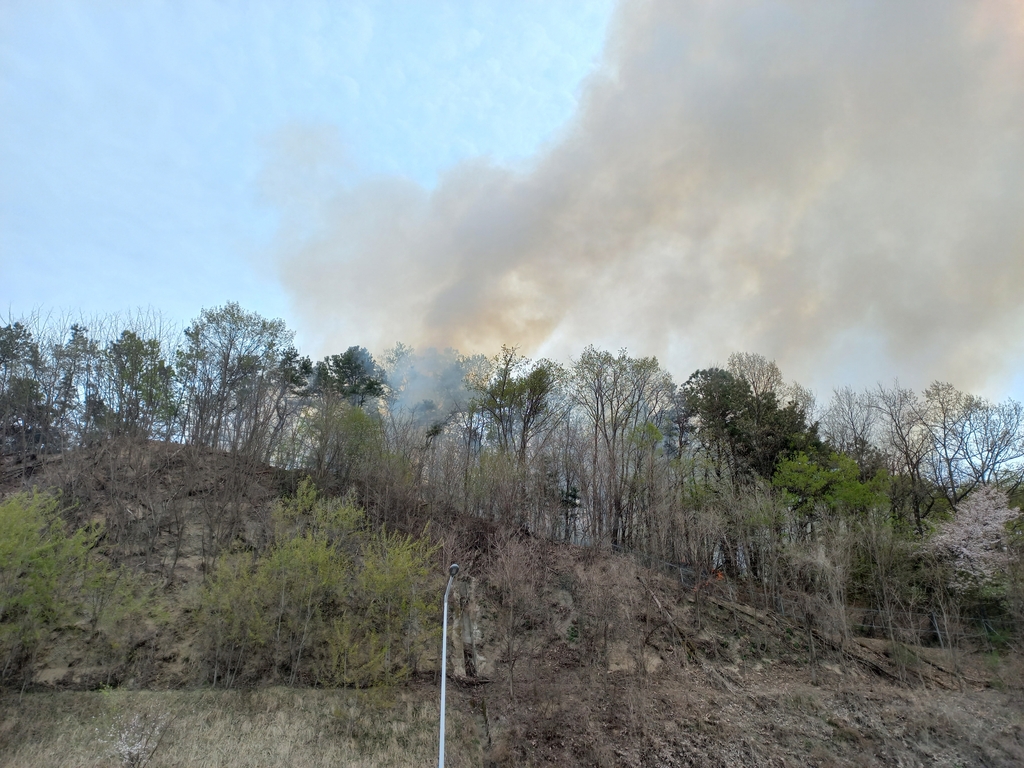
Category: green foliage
[24,412]
[744,433]
[32,546]
[887,571]
[329,601]
[516,399]
[139,385]
[572,636]
[229,614]
[334,520]
[833,485]
[393,598]
[114,600]
[50,578]
[260,616]
[353,374]
[337,440]
[298,579]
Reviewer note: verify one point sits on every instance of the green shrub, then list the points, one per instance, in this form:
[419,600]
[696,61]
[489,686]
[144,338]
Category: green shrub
[328,602]
[43,570]
[51,579]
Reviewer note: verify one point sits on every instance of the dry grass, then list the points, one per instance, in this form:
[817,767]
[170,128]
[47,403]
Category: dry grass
[229,729]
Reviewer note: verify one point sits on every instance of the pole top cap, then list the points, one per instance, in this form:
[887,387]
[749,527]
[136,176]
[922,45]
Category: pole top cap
[453,569]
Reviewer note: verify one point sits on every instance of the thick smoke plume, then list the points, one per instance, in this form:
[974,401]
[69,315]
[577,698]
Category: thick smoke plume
[838,186]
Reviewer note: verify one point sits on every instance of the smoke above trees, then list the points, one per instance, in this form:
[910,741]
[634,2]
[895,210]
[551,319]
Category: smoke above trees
[836,185]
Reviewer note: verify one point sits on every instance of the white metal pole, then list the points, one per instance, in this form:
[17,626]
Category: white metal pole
[452,570]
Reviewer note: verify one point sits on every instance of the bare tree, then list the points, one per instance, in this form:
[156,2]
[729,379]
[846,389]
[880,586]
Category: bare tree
[616,395]
[995,452]
[907,445]
[945,415]
[850,424]
[232,375]
[514,571]
[973,441]
[761,374]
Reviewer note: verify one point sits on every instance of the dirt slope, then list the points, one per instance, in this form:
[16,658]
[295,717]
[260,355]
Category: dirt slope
[615,664]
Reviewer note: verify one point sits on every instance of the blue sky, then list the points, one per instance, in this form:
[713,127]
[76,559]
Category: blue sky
[135,137]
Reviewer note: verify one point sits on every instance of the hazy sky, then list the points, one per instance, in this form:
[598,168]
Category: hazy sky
[135,137]
[838,186]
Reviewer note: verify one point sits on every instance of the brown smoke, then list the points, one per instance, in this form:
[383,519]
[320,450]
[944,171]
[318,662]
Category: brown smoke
[838,186]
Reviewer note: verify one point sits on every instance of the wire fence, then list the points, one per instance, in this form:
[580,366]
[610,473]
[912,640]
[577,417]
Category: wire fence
[912,627]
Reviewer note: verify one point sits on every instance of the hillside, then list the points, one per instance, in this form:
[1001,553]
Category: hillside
[559,655]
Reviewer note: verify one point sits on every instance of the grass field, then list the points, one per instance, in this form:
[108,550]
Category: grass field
[301,728]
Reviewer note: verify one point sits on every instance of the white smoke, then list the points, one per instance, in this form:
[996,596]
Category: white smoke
[838,186]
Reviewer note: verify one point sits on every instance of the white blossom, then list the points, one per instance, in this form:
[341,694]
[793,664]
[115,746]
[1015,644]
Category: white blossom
[135,741]
[975,538]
